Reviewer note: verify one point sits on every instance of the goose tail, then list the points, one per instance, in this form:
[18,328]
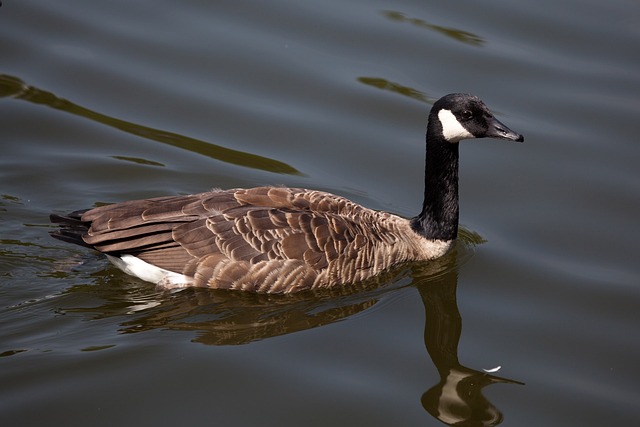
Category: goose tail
[71,228]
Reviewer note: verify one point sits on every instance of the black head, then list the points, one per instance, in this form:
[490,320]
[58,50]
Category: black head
[459,116]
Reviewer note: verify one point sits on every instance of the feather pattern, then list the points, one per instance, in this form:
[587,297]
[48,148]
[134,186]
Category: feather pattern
[265,239]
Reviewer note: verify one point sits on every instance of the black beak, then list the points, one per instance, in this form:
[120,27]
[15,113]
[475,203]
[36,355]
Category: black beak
[497,130]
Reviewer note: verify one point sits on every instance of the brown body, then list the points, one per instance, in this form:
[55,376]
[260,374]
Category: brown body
[265,239]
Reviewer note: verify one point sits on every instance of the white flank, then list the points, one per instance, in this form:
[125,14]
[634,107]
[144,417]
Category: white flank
[496,369]
[452,130]
[149,273]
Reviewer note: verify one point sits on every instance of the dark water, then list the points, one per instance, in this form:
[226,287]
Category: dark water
[107,101]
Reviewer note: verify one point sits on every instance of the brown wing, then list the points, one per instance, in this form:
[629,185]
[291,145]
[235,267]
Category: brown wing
[230,234]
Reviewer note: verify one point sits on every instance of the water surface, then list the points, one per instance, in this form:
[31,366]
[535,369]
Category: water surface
[106,101]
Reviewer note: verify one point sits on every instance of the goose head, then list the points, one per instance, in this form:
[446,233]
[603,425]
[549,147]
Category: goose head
[459,116]
[453,117]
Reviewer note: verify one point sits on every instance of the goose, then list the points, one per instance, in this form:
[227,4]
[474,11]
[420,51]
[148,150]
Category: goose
[283,240]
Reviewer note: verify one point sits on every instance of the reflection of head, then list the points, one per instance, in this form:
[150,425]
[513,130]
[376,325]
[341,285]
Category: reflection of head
[457,400]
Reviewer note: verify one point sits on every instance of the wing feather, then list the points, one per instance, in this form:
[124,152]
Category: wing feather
[272,237]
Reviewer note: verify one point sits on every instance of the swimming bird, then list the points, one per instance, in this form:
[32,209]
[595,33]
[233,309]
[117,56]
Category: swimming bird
[284,240]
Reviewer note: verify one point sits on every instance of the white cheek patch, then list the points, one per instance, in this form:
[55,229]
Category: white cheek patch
[452,130]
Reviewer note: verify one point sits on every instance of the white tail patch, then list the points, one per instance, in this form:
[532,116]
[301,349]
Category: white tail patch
[148,272]
[452,130]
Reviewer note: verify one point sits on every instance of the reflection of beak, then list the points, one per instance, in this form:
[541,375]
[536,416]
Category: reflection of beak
[458,398]
[500,131]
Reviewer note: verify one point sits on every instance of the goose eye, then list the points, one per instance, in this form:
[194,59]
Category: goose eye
[466,115]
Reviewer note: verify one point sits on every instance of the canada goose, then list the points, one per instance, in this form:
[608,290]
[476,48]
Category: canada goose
[283,240]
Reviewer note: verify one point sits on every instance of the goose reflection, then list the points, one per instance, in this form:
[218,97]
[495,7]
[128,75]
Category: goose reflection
[457,399]
[223,317]
[220,317]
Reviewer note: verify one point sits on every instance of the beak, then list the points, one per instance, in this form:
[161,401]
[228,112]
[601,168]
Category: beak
[497,130]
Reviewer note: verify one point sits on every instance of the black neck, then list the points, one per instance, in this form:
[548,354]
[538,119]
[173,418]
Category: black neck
[439,216]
